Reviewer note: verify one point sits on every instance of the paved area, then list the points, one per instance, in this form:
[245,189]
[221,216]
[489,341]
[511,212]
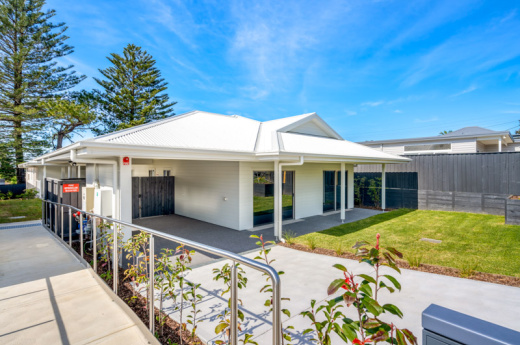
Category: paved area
[48,297]
[308,275]
[239,241]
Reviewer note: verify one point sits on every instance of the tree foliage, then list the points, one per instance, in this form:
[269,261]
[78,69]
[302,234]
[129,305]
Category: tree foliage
[132,91]
[445,132]
[29,47]
[72,112]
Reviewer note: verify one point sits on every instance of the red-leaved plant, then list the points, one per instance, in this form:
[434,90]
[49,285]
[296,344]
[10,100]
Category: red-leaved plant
[361,292]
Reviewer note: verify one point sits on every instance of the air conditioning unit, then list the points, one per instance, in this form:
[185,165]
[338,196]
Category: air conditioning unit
[103,202]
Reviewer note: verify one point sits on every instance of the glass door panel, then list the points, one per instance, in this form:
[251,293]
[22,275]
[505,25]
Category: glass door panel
[329,185]
[263,196]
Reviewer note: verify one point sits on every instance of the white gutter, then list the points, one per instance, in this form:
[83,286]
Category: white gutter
[278,229]
[114,164]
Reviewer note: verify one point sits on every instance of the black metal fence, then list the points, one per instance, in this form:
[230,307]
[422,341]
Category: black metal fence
[16,189]
[472,182]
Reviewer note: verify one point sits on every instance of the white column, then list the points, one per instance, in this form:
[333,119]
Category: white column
[277,199]
[342,194]
[68,172]
[383,187]
[43,183]
[125,196]
[500,144]
[350,187]
[79,171]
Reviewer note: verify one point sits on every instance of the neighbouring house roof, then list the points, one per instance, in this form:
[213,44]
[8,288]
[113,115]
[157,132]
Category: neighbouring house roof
[231,137]
[463,133]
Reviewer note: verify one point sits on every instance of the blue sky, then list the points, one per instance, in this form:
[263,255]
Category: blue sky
[372,69]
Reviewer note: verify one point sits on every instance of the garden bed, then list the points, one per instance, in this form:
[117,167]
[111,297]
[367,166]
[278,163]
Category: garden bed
[447,271]
[139,306]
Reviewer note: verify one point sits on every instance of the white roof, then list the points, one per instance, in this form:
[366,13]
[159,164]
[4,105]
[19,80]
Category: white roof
[201,132]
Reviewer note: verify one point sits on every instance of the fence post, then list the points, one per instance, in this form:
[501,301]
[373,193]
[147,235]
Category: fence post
[233,327]
[115,258]
[151,282]
[81,233]
[43,211]
[94,238]
[55,219]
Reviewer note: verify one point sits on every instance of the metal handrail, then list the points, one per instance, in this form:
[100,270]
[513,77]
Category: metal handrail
[236,258]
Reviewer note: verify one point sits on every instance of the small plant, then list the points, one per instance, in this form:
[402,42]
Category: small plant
[311,242]
[164,279]
[339,249]
[289,237]
[264,256]
[468,269]
[361,292]
[181,267]
[414,260]
[194,298]
[28,194]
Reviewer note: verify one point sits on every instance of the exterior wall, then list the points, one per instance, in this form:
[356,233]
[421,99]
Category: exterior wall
[511,148]
[309,128]
[464,146]
[393,149]
[480,147]
[308,190]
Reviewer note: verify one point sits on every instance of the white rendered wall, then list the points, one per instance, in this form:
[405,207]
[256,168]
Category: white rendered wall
[464,146]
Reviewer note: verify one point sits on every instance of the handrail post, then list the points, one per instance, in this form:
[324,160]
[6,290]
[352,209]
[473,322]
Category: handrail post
[233,327]
[43,211]
[277,313]
[56,219]
[151,282]
[94,239]
[70,227]
[81,233]
[61,213]
[115,258]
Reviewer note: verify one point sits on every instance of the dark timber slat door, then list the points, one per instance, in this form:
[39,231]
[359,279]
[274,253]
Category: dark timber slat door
[157,196]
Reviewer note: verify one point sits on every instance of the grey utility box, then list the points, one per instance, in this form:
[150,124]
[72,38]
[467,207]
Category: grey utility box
[443,326]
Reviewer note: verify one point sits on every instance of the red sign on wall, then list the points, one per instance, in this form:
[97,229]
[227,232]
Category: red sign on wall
[71,188]
[126,161]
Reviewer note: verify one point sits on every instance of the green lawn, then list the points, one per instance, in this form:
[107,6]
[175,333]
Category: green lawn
[468,239]
[31,209]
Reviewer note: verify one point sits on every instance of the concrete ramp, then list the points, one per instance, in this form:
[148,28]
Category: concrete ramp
[47,296]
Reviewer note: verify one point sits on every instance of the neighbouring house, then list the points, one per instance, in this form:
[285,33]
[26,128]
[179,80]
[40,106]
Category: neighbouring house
[223,169]
[464,140]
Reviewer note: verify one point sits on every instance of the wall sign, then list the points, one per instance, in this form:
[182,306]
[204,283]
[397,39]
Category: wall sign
[71,188]
[126,161]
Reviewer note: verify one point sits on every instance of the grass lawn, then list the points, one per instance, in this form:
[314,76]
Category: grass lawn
[469,240]
[31,209]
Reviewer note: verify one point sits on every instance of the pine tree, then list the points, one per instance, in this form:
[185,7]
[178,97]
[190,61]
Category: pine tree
[29,46]
[132,92]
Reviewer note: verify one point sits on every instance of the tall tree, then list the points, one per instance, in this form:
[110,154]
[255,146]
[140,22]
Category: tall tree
[132,91]
[29,47]
[73,112]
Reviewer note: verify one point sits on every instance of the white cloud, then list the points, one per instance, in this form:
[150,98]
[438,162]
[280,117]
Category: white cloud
[398,111]
[511,112]
[350,112]
[372,104]
[468,90]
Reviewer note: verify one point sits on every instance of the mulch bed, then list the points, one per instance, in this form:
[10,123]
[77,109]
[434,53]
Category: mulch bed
[139,305]
[447,271]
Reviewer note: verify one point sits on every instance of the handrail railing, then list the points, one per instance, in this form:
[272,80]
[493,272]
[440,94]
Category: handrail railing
[276,303]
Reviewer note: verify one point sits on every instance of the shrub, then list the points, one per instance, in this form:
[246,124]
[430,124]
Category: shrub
[414,260]
[289,237]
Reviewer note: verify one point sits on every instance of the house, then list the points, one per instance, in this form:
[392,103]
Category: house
[227,170]
[464,140]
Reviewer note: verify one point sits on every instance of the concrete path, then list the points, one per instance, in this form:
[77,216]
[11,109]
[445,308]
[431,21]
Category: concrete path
[307,277]
[48,297]
[239,241]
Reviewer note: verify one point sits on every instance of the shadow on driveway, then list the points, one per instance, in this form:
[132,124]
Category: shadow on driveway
[237,241]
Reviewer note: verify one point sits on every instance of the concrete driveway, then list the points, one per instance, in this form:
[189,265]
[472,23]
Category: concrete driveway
[239,241]
[308,275]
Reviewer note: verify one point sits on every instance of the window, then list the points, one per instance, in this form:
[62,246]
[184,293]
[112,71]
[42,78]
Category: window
[428,147]
[167,172]
[151,173]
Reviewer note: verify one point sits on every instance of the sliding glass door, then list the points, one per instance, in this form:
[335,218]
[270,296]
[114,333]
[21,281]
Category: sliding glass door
[263,196]
[332,190]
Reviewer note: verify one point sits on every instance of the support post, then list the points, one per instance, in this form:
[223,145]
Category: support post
[61,217]
[81,233]
[151,281]
[342,193]
[115,258]
[383,187]
[70,227]
[350,187]
[233,327]
[277,198]
[500,144]
[55,219]
[94,238]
